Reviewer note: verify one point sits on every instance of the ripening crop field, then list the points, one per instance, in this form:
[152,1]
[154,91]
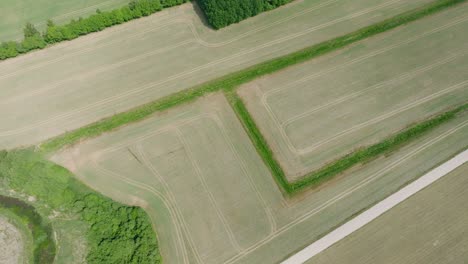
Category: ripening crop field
[71,84]
[316,112]
[430,227]
[211,198]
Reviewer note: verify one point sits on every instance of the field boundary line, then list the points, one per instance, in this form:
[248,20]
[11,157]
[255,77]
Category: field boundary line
[377,210]
[199,173]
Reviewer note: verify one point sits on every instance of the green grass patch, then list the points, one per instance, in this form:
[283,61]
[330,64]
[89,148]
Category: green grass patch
[232,81]
[43,245]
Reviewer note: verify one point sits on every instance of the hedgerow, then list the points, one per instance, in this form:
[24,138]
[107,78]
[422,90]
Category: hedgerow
[116,233]
[221,13]
[33,39]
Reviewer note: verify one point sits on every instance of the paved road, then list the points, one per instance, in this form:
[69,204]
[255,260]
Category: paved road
[377,210]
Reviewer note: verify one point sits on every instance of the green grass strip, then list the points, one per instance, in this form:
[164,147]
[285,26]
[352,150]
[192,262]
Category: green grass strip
[258,140]
[232,81]
[342,164]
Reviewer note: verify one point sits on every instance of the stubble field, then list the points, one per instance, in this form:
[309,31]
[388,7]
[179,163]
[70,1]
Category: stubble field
[75,83]
[316,112]
[211,198]
[430,227]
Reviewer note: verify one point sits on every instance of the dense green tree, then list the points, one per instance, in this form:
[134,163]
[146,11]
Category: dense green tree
[221,13]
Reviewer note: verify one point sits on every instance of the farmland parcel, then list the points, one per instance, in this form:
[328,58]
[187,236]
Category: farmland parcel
[212,199]
[427,228]
[316,112]
[125,66]
[171,163]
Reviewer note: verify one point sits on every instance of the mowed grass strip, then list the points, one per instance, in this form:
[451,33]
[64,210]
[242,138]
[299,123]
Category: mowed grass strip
[232,81]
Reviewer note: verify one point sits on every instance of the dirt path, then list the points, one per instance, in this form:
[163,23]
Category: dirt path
[377,210]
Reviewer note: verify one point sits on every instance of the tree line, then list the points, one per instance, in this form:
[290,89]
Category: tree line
[33,39]
[221,13]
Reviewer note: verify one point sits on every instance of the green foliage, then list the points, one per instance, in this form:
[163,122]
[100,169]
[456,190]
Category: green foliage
[43,242]
[30,31]
[261,145]
[56,33]
[221,13]
[116,234]
[232,81]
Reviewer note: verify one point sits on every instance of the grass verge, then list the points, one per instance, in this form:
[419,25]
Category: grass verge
[232,81]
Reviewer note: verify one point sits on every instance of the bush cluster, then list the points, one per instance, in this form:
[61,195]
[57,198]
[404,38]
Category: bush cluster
[116,233]
[221,13]
[33,39]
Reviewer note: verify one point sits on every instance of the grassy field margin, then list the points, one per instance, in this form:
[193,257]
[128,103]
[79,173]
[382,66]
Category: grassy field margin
[234,80]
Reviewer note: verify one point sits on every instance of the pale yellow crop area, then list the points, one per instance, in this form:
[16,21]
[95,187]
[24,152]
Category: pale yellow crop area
[429,228]
[212,200]
[321,110]
[71,84]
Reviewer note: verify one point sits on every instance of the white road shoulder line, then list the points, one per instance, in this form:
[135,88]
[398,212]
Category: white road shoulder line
[377,210]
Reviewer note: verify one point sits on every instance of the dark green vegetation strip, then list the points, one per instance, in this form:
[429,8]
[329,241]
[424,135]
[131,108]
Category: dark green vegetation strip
[232,81]
[222,13]
[43,242]
[258,140]
[34,40]
[116,233]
